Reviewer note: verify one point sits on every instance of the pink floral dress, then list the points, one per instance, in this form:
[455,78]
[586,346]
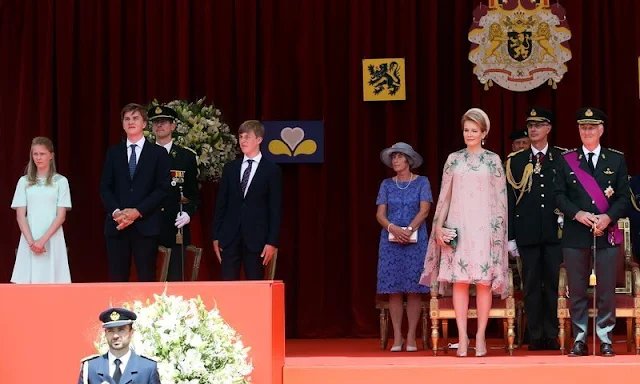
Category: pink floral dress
[474,186]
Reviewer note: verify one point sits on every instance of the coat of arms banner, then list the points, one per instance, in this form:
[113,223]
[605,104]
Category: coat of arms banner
[519,44]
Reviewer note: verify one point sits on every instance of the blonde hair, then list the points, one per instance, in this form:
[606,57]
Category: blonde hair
[479,117]
[31,170]
[254,126]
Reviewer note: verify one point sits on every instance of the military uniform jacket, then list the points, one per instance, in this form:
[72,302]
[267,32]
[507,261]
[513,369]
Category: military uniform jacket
[532,220]
[571,197]
[181,159]
[139,370]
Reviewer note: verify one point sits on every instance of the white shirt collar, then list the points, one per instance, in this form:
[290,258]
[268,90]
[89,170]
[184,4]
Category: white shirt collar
[256,159]
[167,146]
[139,143]
[544,150]
[596,152]
[124,360]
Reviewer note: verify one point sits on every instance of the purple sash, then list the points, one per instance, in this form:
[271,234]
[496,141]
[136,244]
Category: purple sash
[592,188]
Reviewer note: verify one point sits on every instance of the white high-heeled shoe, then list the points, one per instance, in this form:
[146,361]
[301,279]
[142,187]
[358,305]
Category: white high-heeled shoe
[398,348]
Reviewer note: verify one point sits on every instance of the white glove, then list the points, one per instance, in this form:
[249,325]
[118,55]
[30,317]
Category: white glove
[182,219]
[561,221]
[513,248]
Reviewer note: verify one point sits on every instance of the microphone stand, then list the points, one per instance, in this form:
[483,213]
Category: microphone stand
[593,283]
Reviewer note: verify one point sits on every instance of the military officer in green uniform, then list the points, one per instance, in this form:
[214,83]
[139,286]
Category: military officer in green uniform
[533,228]
[184,189]
[592,191]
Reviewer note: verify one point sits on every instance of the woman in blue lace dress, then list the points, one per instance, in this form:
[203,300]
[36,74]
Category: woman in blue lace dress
[403,205]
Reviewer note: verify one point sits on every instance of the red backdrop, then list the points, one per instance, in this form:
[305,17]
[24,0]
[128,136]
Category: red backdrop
[68,66]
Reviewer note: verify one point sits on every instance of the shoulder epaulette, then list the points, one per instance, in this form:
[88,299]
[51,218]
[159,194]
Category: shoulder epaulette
[569,150]
[560,148]
[514,153]
[190,150]
[90,357]
[149,358]
[616,151]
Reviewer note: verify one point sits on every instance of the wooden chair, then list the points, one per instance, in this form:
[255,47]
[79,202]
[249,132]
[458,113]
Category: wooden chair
[270,268]
[382,304]
[627,293]
[162,263]
[441,310]
[518,295]
[192,258]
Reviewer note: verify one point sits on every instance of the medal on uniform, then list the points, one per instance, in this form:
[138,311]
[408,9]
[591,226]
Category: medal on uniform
[537,168]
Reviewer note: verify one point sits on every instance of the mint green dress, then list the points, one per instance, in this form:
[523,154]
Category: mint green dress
[42,202]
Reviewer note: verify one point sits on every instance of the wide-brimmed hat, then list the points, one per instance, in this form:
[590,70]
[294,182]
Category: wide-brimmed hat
[404,148]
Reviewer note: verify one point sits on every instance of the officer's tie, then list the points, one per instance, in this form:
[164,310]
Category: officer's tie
[540,157]
[117,374]
[132,160]
[590,161]
[245,177]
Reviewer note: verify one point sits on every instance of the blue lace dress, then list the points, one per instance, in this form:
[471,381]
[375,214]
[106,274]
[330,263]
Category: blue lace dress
[400,266]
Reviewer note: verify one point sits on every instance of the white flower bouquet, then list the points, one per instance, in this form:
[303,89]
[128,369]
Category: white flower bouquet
[192,345]
[201,128]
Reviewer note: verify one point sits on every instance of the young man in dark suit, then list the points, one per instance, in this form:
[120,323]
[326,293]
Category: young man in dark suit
[246,224]
[184,189]
[533,227]
[592,191]
[134,181]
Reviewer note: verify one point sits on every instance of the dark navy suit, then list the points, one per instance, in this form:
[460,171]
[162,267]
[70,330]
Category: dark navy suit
[145,192]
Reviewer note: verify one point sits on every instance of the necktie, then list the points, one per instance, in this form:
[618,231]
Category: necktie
[245,177]
[132,160]
[590,161]
[540,157]
[117,374]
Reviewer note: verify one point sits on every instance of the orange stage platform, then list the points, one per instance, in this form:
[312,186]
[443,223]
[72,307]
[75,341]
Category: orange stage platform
[361,361]
[47,329]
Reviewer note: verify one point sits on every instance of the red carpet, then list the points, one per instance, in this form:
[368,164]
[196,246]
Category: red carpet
[337,361]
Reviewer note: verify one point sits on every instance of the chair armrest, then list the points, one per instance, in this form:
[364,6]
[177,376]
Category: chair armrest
[510,272]
[635,278]
[562,281]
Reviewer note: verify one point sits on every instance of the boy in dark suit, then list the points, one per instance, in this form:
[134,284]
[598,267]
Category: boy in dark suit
[184,189]
[246,224]
[592,191]
[134,181]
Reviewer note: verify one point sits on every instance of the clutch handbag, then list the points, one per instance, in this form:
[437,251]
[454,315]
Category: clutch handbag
[412,239]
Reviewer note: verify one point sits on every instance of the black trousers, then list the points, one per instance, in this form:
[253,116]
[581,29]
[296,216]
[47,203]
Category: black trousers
[541,270]
[175,264]
[130,242]
[235,255]
[578,262]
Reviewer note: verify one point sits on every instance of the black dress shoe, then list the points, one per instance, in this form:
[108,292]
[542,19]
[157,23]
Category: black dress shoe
[536,345]
[579,349]
[552,345]
[606,350]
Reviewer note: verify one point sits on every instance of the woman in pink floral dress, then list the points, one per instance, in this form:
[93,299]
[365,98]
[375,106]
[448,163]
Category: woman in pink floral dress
[468,243]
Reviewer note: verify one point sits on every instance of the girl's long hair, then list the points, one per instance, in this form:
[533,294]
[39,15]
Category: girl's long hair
[31,171]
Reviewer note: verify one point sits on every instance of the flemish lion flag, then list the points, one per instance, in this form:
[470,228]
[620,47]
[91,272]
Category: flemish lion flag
[383,79]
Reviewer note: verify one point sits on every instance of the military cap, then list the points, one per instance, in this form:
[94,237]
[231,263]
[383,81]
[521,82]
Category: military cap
[539,114]
[162,112]
[519,134]
[117,317]
[588,115]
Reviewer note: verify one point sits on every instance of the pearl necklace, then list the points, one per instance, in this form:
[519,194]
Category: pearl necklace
[407,186]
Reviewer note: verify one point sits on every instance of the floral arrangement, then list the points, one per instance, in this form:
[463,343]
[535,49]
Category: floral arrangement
[192,345]
[201,128]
